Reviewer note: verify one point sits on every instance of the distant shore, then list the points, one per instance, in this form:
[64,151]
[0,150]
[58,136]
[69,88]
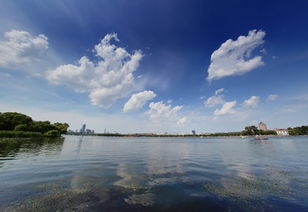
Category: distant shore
[175,135]
[23,134]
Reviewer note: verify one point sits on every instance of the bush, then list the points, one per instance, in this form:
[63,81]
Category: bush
[52,133]
[21,127]
[267,132]
[19,134]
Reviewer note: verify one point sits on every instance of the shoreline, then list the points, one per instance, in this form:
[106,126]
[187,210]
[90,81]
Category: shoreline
[182,136]
[25,134]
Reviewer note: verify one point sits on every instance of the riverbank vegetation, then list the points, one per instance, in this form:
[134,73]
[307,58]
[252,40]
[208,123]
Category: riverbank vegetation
[253,130]
[19,134]
[303,130]
[16,125]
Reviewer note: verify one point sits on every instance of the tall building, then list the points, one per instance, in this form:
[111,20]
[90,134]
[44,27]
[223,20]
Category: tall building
[83,129]
[262,126]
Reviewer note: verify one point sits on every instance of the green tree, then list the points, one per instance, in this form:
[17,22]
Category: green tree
[61,127]
[251,130]
[9,120]
[303,130]
[20,125]
[52,133]
[41,126]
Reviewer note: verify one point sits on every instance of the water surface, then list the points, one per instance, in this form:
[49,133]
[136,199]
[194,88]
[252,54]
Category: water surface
[154,174]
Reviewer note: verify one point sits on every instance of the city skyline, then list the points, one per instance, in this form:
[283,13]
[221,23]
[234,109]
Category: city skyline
[138,66]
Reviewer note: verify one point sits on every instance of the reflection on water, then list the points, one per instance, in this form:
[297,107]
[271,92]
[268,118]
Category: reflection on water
[16,149]
[155,174]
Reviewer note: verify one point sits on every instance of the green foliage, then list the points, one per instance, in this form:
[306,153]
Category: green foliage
[41,126]
[303,130]
[253,130]
[21,127]
[225,134]
[250,130]
[52,133]
[9,120]
[61,127]
[267,132]
[24,126]
[19,134]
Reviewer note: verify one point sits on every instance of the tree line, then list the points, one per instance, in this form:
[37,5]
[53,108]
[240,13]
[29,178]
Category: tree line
[253,130]
[303,130]
[18,122]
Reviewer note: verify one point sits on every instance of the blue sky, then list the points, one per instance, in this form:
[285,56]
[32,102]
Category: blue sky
[155,66]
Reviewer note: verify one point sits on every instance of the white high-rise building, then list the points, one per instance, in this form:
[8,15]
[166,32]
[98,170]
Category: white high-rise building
[83,129]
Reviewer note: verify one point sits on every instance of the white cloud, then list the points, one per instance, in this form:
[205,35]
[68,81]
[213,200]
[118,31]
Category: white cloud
[227,108]
[20,48]
[106,81]
[234,57]
[219,91]
[215,100]
[182,120]
[252,101]
[272,97]
[138,100]
[161,112]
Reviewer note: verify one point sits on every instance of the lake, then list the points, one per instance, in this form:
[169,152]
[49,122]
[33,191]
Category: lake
[92,173]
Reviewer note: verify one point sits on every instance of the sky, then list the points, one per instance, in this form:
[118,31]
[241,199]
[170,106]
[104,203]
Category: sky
[156,66]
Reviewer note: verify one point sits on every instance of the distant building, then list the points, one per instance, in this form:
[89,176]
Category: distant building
[83,129]
[193,132]
[282,132]
[89,131]
[262,126]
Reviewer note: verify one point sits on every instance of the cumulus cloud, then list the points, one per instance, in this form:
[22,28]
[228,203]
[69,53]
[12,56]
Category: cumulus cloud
[107,80]
[20,48]
[216,99]
[227,108]
[234,57]
[162,112]
[252,101]
[138,100]
[272,97]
